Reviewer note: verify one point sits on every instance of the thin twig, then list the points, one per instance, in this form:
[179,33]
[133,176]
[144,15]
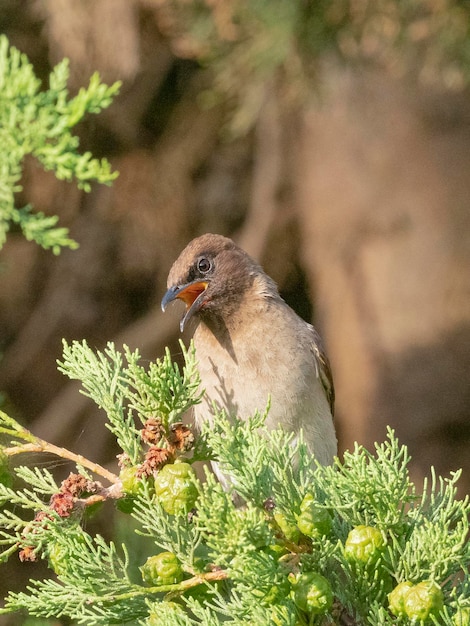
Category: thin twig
[171,590]
[44,446]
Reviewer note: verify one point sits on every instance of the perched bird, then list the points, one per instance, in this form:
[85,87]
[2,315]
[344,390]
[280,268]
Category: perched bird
[251,345]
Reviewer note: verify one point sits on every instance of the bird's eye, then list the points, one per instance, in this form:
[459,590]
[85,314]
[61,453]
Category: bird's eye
[204,265]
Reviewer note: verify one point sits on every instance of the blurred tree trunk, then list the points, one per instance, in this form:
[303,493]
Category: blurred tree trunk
[382,191]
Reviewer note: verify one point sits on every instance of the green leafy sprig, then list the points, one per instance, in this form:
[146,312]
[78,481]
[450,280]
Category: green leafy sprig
[39,122]
[241,550]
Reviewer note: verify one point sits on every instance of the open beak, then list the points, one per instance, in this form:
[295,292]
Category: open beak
[192,294]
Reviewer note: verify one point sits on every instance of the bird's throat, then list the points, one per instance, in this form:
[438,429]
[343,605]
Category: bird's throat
[213,329]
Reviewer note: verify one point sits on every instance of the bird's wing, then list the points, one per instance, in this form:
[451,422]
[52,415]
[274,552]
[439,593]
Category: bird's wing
[323,369]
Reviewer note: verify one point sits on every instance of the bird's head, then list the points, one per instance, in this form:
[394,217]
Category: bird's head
[212,276]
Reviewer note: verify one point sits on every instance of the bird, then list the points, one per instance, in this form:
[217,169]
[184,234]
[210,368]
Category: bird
[251,347]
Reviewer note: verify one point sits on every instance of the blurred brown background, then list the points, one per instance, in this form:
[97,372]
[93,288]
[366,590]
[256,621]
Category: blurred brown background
[349,178]
[338,156]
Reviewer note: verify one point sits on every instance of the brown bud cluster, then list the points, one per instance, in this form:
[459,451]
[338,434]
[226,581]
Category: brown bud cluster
[27,554]
[63,503]
[181,437]
[163,448]
[77,485]
[71,489]
[154,460]
[153,431]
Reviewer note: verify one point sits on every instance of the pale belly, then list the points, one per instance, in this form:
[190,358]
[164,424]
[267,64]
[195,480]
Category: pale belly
[297,400]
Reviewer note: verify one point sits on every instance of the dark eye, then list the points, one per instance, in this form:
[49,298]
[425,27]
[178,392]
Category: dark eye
[204,265]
